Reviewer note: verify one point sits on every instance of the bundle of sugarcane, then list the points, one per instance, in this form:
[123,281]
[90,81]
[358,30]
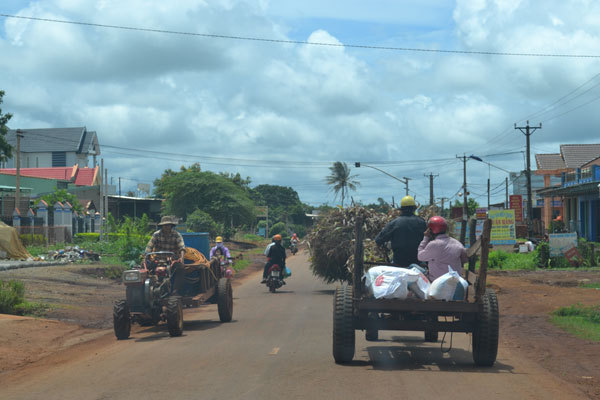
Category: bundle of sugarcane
[332,241]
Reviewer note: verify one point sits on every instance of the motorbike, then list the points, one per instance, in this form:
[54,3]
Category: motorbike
[274,278]
[293,247]
[226,266]
[149,298]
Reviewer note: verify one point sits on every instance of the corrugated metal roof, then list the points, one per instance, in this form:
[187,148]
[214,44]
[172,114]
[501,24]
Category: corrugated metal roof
[576,155]
[549,161]
[82,176]
[53,139]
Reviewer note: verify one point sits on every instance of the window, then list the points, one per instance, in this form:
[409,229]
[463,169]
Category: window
[59,159]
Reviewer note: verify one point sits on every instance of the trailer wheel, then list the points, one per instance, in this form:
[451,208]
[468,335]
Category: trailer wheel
[343,327]
[121,319]
[372,335]
[431,336]
[485,334]
[225,299]
[174,316]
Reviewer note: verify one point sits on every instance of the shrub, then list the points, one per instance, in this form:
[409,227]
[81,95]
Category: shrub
[38,240]
[86,237]
[12,294]
[559,262]
[542,254]
[497,258]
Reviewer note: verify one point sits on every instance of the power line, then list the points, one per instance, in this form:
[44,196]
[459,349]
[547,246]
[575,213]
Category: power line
[302,42]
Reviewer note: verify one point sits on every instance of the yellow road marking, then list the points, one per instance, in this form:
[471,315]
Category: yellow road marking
[274,351]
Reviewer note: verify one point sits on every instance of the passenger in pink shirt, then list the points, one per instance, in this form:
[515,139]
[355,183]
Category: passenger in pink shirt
[440,250]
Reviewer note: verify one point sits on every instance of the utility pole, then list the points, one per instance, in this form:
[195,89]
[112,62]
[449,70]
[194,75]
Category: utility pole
[488,194]
[431,176]
[18,173]
[119,186]
[101,199]
[465,218]
[406,183]
[528,131]
[443,199]
[506,200]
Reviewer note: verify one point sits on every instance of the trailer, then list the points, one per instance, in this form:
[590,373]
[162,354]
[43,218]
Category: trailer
[478,314]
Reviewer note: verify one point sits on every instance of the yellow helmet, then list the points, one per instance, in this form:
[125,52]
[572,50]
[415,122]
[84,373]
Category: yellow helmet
[219,239]
[408,201]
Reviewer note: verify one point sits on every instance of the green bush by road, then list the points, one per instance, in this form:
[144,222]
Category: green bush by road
[581,321]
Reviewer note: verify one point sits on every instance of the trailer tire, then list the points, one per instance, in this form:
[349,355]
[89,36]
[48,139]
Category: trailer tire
[225,299]
[485,334]
[121,319]
[343,326]
[174,316]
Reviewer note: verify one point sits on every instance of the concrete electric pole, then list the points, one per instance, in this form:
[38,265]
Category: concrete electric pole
[528,131]
[18,173]
[465,217]
[431,177]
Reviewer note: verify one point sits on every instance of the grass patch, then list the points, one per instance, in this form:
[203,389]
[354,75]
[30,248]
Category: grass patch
[593,285]
[581,321]
[499,259]
[12,300]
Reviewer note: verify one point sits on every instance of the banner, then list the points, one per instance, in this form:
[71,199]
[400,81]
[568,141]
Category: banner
[516,203]
[481,213]
[560,243]
[503,227]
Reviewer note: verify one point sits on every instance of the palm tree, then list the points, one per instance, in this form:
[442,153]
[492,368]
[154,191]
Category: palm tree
[341,180]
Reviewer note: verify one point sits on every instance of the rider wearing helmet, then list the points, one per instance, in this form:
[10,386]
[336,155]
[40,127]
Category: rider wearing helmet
[440,250]
[275,255]
[405,233]
[220,248]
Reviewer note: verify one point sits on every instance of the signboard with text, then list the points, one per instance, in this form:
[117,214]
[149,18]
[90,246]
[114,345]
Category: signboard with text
[481,213]
[516,203]
[503,227]
[560,243]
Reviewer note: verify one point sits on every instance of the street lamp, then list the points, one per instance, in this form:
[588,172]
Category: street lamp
[405,181]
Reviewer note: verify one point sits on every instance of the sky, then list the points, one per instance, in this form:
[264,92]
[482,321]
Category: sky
[400,86]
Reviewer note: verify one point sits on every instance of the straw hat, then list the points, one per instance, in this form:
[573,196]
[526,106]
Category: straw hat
[168,220]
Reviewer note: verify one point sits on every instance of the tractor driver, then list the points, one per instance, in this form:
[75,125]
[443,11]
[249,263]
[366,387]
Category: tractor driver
[168,239]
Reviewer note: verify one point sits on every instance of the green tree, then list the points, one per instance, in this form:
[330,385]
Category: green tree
[341,180]
[5,148]
[472,205]
[199,221]
[62,195]
[191,189]
[283,202]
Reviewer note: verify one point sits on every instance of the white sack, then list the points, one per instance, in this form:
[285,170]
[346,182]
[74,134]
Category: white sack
[448,287]
[421,286]
[389,282]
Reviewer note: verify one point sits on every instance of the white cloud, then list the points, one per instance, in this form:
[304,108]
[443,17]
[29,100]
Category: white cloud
[242,99]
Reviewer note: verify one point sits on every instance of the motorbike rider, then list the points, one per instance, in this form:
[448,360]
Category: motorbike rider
[405,233]
[275,255]
[221,249]
[440,250]
[294,240]
[168,239]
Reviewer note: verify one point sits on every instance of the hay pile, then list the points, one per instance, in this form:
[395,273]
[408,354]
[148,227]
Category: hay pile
[332,241]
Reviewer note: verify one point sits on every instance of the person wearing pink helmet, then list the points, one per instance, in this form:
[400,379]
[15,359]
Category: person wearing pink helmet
[440,250]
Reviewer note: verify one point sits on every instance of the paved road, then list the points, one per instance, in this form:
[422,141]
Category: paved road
[278,346]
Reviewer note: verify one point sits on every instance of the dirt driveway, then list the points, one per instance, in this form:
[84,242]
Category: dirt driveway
[84,308]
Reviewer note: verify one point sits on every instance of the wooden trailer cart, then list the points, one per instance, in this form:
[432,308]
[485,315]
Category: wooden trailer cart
[478,314]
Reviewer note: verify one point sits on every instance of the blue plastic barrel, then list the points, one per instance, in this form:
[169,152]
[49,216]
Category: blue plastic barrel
[197,240]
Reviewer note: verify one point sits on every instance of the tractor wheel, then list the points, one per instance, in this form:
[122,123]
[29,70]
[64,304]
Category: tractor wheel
[121,319]
[372,335]
[431,336]
[174,316]
[485,334]
[343,326]
[225,300]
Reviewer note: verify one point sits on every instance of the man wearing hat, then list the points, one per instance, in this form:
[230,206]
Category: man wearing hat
[168,239]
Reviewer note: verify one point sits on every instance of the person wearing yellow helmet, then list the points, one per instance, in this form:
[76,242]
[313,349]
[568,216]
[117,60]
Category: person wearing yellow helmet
[405,233]
[275,255]
[221,249]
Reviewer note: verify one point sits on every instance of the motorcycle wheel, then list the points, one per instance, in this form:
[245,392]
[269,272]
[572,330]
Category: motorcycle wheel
[271,285]
[225,300]
[121,319]
[174,316]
